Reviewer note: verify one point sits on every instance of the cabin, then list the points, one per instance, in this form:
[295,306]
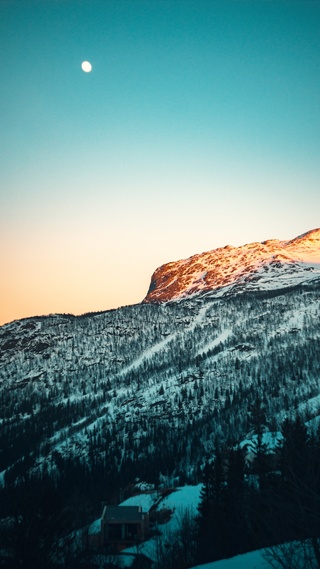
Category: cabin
[123,526]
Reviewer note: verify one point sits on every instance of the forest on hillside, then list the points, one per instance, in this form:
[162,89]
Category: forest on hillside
[249,500]
[155,392]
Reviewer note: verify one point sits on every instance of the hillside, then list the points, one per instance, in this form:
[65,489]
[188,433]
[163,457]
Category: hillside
[120,385]
[91,403]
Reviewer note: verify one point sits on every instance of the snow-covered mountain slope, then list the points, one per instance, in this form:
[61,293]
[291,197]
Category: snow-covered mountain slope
[147,389]
[264,266]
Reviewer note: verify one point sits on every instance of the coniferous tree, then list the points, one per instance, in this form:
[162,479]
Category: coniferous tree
[235,507]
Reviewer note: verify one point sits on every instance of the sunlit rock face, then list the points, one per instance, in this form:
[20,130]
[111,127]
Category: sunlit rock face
[269,265]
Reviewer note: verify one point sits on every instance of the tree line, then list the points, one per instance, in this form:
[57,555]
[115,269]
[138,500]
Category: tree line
[271,500]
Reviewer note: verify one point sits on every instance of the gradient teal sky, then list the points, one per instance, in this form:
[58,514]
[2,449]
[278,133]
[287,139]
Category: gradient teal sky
[199,126]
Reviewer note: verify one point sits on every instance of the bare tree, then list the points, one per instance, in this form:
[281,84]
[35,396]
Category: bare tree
[176,547]
[293,555]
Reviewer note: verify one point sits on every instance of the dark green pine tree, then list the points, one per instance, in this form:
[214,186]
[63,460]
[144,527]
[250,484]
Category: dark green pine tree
[211,521]
[235,504]
[257,420]
[299,492]
[204,509]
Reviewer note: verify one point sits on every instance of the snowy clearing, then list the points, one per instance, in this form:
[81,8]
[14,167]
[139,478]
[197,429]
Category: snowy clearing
[252,560]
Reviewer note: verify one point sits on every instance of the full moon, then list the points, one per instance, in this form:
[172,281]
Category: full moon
[86,66]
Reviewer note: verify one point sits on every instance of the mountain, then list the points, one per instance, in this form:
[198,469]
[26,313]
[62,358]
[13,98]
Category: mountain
[268,265]
[146,390]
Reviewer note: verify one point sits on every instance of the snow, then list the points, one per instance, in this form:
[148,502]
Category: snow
[252,560]
[145,501]
[269,439]
[125,559]
[187,498]
[221,338]
[95,527]
[200,316]
[182,499]
[312,406]
[149,353]
[269,265]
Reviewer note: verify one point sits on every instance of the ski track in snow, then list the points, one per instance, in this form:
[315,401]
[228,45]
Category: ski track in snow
[148,353]
[221,338]
[160,345]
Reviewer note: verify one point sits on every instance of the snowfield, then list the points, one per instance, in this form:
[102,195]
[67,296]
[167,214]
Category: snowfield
[252,560]
[145,501]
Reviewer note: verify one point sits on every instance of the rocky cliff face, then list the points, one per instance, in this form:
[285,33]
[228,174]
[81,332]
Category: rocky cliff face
[269,265]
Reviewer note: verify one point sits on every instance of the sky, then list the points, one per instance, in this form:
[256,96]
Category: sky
[198,127]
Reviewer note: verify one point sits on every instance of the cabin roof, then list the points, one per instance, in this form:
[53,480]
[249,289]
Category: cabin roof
[122,514]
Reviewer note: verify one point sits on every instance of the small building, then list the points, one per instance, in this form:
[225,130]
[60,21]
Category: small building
[123,526]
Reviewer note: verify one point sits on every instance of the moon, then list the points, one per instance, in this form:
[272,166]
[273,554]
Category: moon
[86,66]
